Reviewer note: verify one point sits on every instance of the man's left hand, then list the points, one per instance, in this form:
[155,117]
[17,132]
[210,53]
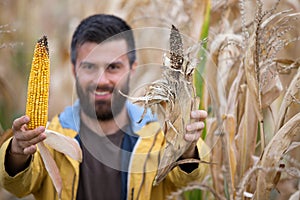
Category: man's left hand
[194,131]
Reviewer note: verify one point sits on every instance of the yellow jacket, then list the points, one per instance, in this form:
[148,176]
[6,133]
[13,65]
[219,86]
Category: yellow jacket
[35,179]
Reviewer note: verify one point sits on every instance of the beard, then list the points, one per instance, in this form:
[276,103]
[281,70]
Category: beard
[102,110]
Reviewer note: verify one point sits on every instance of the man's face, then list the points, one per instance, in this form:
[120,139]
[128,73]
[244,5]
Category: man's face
[101,71]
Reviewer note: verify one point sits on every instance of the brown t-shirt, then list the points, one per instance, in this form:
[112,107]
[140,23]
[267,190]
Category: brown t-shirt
[100,175]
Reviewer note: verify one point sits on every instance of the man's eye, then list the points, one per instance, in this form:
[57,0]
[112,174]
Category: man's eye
[112,67]
[88,67]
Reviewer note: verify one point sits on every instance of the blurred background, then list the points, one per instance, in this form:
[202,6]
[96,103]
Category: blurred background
[22,23]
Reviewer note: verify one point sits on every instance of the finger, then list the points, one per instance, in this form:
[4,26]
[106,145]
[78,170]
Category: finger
[30,150]
[33,141]
[196,126]
[29,135]
[192,137]
[19,122]
[199,114]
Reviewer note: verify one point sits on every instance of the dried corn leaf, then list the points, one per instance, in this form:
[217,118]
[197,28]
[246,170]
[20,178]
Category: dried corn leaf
[286,65]
[262,77]
[234,92]
[174,94]
[270,19]
[273,153]
[217,157]
[272,31]
[246,138]
[272,87]
[293,146]
[51,167]
[225,49]
[288,100]
[293,172]
[252,81]
[230,152]
[63,144]
[295,196]
[214,140]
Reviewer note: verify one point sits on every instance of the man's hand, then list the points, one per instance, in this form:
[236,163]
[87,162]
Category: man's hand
[23,144]
[194,131]
[24,141]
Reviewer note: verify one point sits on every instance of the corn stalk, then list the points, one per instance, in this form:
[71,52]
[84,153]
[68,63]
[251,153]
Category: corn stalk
[246,63]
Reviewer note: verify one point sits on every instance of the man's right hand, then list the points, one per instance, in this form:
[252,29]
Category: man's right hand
[24,141]
[23,145]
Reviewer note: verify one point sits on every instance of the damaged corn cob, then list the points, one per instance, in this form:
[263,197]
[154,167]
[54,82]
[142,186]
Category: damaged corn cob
[38,86]
[171,98]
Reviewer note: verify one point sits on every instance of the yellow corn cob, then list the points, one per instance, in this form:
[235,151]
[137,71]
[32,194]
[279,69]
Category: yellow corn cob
[38,86]
[37,105]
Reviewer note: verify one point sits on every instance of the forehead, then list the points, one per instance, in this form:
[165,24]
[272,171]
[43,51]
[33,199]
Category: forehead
[105,52]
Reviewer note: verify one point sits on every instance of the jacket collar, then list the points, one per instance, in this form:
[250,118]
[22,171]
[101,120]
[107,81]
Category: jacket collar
[70,117]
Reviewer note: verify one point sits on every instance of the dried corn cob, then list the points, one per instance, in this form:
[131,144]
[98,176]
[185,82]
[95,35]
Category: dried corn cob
[38,86]
[172,97]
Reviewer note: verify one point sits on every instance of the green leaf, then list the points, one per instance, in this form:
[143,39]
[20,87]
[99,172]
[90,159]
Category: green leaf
[198,80]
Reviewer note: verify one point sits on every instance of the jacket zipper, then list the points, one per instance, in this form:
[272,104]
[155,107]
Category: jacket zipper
[132,193]
[73,186]
[129,168]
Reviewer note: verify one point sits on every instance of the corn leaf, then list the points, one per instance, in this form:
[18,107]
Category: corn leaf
[273,153]
[198,80]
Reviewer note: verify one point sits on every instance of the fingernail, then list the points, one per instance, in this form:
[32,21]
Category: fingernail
[26,119]
[202,125]
[193,113]
[204,113]
[188,127]
[43,136]
[41,128]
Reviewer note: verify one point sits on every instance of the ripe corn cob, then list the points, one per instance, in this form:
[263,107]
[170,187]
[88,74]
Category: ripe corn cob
[37,105]
[38,86]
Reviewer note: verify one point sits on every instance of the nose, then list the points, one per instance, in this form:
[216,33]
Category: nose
[102,79]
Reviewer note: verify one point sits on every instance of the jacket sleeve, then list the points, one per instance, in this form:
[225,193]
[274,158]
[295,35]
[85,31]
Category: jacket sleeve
[25,182]
[181,178]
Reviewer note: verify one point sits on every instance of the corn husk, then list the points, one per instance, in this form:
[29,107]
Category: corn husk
[172,98]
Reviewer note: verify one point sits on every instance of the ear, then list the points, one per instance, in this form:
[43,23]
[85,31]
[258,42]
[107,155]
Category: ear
[133,68]
[73,70]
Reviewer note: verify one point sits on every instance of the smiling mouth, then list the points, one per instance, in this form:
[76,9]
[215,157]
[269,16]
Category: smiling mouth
[101,93]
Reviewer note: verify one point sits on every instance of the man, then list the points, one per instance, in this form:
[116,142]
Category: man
[116,164]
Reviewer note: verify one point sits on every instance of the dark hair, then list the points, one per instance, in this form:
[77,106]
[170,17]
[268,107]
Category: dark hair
[101,27]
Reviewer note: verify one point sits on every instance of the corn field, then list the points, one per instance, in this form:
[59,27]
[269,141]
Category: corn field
[247,78]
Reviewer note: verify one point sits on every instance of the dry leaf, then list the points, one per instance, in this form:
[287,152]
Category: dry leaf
[252,82]
[230,152]
[293,146]
[272,87]
[292,91]
[51,167]
[295,196]
[63,144]
[273,153]
[214,140]
[246,137]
